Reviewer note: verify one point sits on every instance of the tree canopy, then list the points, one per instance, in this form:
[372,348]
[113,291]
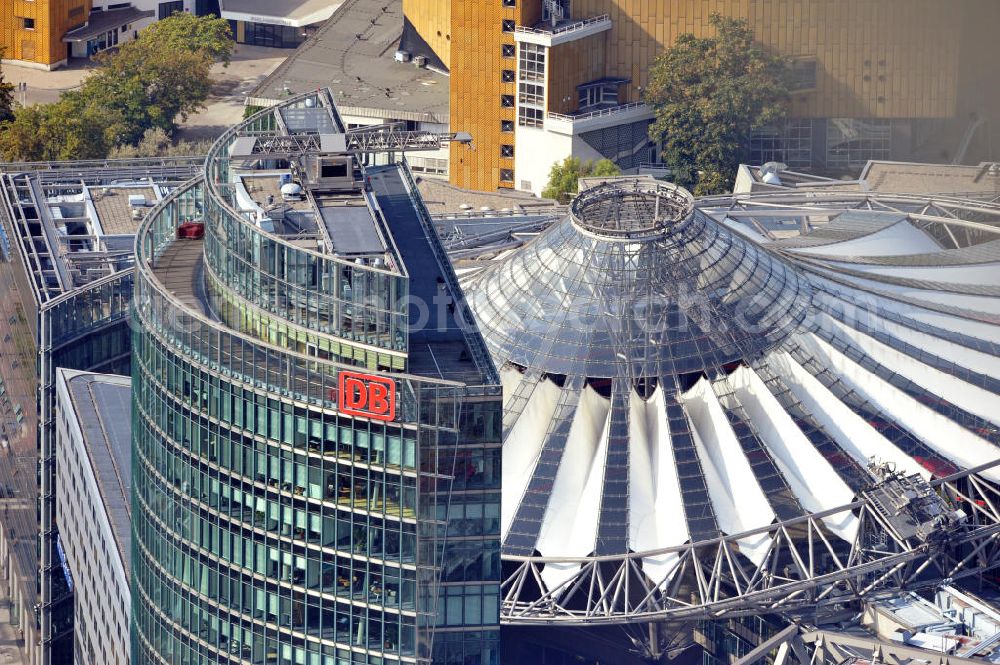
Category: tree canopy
[708,94]
[565,176]
[148,83]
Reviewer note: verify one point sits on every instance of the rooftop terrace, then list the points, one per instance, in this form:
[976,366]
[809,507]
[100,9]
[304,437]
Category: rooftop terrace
[74,222]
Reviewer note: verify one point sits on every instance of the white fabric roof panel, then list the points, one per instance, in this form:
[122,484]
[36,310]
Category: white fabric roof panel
[897,240]
[719,336]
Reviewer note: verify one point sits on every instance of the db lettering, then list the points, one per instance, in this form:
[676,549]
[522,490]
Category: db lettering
[367,396]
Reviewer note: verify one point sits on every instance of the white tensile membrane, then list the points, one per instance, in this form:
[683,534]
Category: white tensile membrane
[510,380]
[946,437]
[569,528]
[853,433]
[656,510]
[898,239]
[739,503]
[809,475]
[522,446]
[976,361]
[970,398]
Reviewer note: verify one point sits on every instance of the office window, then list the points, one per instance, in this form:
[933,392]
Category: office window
[851,142]
[803,74]
[598,96]
[507,76]
[168,8]
[531,94]
[506,175]
[530,117]
[531,62]
[789,143]
[28,23]
[506,151]
[508,25]
[506,125]
[507,50]
[507,101]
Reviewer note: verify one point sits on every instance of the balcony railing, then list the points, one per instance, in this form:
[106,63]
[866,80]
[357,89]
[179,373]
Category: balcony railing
[563,29]
[597,113]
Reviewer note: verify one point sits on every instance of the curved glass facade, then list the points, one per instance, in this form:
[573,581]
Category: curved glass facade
[270,525]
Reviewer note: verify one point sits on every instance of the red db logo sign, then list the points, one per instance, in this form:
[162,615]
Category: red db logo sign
[366,396]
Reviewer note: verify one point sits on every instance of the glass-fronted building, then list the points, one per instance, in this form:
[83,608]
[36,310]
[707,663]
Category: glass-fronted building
[70,229]
[316,454]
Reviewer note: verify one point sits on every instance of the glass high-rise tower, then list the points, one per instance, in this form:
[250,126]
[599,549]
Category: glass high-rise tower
[316,454]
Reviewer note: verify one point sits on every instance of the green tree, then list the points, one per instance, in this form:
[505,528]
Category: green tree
[708,94]
[207,36]
[564,178]
[149,83]
[157,143]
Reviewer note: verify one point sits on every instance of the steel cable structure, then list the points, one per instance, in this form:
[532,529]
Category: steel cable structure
[751,404]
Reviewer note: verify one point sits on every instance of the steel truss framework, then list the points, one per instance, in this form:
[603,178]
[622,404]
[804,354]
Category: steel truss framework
[389,138]
[805,567]
[955,222]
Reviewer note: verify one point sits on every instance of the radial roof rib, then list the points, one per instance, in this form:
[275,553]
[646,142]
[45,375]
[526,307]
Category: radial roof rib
[738,500]
[811,478]
[974,334]
[656,508]
[524,531]
[698,511]
[940,433]
[853,434]
[928,392]
[775,486]
[912,336]
[860,404]
[613,519]
[852,472]
[522,445]
[516,398]
[971,391]
[569,527]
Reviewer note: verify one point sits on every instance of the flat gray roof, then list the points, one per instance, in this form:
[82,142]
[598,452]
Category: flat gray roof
[352,230]
[100,22]
[362,73]
[102,406]
[298,13]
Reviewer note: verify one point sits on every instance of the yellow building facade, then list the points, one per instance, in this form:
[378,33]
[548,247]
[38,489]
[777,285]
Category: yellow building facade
[31,31]
[874,78]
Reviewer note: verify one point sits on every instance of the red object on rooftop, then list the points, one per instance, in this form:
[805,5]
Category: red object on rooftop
[191,231]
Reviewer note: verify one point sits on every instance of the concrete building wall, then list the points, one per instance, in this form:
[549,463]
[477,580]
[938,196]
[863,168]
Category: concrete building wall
[432,21]
[101,588]
[874,59]
[478,89]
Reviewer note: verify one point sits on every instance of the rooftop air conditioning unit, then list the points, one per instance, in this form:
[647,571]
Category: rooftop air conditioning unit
[420,60]
[401,56]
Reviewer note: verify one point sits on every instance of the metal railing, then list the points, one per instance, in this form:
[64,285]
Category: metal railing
[563,29]
[596,113]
